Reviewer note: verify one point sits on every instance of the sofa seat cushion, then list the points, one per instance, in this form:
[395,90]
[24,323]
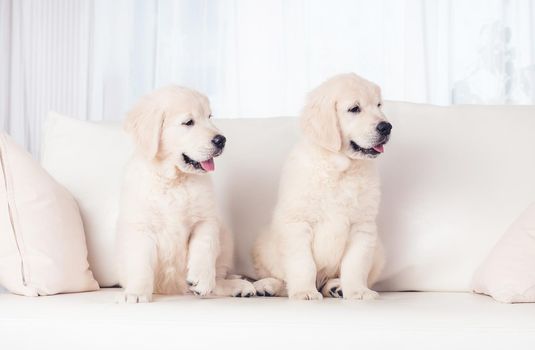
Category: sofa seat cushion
[412,320]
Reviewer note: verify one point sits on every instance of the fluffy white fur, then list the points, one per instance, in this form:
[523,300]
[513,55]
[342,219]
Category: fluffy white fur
[170,239]
[323,233]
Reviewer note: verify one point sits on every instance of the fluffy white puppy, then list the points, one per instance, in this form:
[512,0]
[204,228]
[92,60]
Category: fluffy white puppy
[323,234]
[170,239]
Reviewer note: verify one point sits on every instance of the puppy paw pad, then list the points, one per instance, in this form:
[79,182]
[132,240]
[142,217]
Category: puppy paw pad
[332,289]
[191,283]
[336,292]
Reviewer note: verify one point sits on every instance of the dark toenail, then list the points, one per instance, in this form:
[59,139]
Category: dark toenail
[237,295]
[333,290]
[268,294]
[248,295]
[260,294]
[340,293]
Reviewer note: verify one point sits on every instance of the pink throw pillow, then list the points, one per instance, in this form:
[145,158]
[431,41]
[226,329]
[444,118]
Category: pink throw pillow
[508,273]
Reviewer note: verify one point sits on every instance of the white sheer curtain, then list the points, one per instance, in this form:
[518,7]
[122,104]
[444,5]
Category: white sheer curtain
[254,58]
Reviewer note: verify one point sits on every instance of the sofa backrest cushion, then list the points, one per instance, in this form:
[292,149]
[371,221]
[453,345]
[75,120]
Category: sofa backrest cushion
[453,179]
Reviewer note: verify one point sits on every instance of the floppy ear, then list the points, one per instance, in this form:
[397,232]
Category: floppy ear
[144,122]
[319,121]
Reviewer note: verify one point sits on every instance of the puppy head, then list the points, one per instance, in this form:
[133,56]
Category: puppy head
[173,125]
[344,115]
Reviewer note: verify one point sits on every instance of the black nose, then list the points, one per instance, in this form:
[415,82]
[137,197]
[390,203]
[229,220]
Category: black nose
[219,141]
[384,128]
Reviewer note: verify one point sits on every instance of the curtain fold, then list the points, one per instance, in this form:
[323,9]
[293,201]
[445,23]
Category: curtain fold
[254,58]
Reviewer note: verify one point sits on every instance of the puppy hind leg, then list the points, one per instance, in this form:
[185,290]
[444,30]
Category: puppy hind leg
[270,287]
[229,285]
[332,289]
[379,262]
[235,287]
[225,259]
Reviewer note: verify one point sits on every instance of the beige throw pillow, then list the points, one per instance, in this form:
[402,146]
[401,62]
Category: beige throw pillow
[42,242]
[508,273]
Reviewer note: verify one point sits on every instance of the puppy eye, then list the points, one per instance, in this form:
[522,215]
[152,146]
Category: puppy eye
[355,109]
[189,123]
[379,104]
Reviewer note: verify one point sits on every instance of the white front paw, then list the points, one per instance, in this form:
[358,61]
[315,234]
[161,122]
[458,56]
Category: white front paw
[306,295]
[201,281]
[361,294]
[133,298]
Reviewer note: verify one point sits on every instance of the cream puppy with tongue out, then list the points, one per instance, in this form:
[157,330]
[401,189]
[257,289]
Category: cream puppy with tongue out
[170,239]
[323,237]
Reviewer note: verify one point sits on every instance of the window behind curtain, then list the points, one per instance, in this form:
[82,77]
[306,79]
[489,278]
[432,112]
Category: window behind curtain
[256,58]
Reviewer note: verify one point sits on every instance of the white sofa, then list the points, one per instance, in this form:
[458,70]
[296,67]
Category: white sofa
[453,178]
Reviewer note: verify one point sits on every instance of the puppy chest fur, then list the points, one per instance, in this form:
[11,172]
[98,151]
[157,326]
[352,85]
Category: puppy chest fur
[341,210]
[167,211]
[176,210]
[334,202]
[328,244]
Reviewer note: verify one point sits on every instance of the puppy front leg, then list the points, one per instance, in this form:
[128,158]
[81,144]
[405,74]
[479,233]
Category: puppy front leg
[358,262]
[299,266]
[137,263]
[202,255]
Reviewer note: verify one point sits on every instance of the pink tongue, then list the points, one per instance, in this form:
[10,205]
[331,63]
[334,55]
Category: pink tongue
[208,165]
[379,148]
